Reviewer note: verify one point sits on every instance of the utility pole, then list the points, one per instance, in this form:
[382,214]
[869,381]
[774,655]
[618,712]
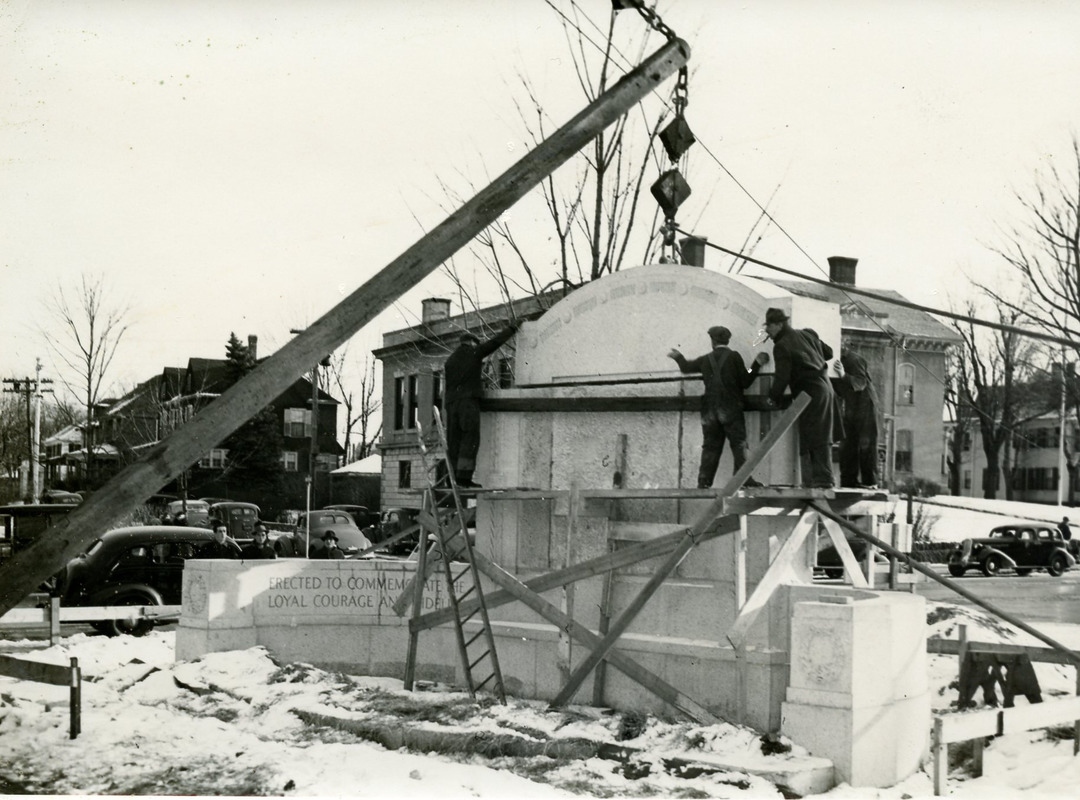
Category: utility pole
[1063,464]
[313,447]
[31,387]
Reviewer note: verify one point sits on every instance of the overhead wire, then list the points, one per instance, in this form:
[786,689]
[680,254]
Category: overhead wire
[898,342]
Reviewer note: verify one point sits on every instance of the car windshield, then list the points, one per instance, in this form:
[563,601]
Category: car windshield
[93,548]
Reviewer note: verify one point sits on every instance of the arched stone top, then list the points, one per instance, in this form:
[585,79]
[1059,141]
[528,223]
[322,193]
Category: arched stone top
[624,324]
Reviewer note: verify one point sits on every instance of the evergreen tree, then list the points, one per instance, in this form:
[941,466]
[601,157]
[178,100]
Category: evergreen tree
[254,460]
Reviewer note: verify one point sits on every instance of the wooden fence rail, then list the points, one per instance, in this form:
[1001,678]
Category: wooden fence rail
[977,725]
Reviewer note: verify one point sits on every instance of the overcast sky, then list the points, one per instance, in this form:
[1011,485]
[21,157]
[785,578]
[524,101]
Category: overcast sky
[240,166]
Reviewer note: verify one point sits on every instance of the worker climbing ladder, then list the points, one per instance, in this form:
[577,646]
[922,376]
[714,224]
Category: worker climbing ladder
[445,516]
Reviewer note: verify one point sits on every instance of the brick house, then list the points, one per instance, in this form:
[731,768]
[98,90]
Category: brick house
[127,426]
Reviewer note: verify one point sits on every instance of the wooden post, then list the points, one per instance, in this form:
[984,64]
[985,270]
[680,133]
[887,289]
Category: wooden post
[566,641]
[268,380]
[54,620]
[75,699]
[1076,725]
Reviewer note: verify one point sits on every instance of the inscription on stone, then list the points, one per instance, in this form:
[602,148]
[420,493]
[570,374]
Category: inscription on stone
[363,592]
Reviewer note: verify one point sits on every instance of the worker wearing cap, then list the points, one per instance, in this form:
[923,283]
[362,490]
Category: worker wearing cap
[464,385]
[726,378]
[801,360]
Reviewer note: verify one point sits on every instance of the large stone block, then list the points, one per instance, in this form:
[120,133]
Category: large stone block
[858,692]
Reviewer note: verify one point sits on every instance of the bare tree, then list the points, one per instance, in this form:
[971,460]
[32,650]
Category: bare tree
[592,203]
[1043,250]
[85,331]
[993,374]
[361,405]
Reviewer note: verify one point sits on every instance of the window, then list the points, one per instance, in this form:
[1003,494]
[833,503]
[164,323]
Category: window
[399,403]
[967,479]
[506,373]
[215,459]
[298,423]
[404,474]
[905,385]
[414,394]
[903,451]
[324,462]
[437,392]
[290,460]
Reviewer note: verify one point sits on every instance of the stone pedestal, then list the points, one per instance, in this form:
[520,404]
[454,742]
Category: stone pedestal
[858,693]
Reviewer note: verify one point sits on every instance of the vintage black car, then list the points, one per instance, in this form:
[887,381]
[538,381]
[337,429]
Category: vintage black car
[1020,546]
[141,566]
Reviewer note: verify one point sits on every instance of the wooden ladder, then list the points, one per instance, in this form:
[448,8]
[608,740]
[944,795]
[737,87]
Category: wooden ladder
[444,514]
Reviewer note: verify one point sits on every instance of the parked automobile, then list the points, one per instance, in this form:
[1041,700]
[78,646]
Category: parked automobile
[1019,546]
[392,521]
[239,517]
[215,500]
[362,515]
[196,513]
[59,496]
[828,559]
[21,524]
[350,539]
[136,566]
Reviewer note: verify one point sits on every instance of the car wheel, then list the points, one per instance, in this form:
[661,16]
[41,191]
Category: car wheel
[1022,571]
[957,570]
[1058,564]
[139,627]
[991,566]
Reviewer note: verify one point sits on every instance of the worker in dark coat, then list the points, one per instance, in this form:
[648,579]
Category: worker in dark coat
[858,400]
[801,360]
[726,378]
[464,385]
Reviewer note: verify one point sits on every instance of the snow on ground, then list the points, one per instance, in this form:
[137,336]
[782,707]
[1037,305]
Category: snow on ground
[237,723]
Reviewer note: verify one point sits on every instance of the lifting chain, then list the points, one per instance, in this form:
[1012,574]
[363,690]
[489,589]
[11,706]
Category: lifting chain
[669,250]
[648,14]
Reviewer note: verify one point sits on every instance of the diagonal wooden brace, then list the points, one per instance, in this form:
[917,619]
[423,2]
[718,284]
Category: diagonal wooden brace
[630,668]
[715,509]
[778,572]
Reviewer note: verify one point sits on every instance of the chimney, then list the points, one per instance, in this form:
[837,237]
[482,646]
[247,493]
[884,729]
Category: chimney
[253,348]
[435,308]
[693,250]
[842,269]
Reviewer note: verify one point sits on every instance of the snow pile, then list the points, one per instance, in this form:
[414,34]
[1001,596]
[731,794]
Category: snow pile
[237,723]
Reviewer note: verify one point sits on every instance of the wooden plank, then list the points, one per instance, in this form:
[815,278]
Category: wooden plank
[40,616]
[966,725]
[21,668]
[623,557]
[1040,715]
[754,458]
[1012,619]
[952,647]
[165,461]
[75,700]
[781,568]
[847,557]
[626,665]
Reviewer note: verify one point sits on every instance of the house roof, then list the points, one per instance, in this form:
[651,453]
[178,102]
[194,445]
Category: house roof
[372,465]
[873,315]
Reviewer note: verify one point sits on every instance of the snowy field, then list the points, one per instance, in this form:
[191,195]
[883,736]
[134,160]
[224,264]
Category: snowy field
[239,724]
